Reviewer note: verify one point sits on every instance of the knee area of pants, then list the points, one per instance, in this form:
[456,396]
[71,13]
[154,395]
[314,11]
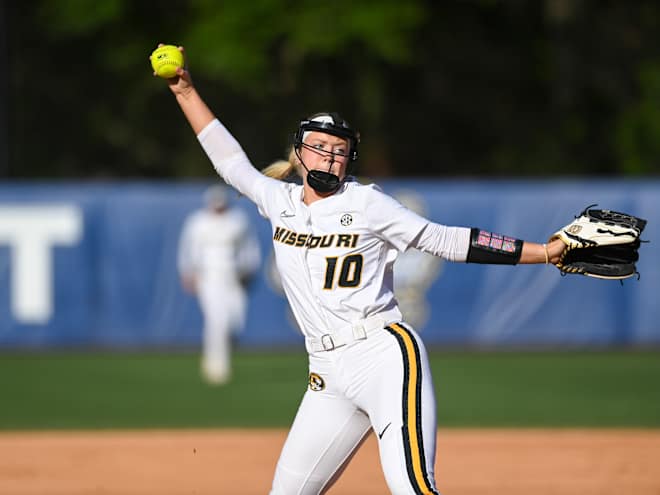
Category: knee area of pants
[287,482]
[401,485]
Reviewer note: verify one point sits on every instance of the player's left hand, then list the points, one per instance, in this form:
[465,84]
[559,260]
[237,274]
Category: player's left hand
[555,249]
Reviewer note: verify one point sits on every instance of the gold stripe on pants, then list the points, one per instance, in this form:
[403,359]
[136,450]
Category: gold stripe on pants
[413,441]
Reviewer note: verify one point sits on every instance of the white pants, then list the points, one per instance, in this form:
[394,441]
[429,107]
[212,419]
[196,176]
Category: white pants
[223,307]
[381,383]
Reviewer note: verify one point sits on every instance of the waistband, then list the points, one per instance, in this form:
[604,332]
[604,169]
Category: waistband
[358,330]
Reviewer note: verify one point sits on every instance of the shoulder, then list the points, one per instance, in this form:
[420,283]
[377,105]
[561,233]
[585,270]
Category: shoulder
[365,194]
[237,215]
[291,188]
[354,184]
[283,192]
[196,216]
[194,223]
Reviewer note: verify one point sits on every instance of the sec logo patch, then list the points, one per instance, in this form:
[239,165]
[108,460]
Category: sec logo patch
[316,383]
[346,219]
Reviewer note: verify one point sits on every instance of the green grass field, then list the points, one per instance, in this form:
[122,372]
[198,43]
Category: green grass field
[106,390]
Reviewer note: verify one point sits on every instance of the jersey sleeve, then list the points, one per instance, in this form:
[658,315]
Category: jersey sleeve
[404,229]
[392,221]
[450,243]
[233,165]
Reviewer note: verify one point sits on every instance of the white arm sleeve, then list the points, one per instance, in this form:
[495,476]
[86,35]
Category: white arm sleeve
[403,228]
[450,243]
[231,162]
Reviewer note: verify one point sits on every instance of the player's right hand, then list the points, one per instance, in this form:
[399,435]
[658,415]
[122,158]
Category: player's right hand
[182,83]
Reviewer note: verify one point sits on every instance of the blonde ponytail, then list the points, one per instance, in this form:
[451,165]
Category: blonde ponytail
[282,169]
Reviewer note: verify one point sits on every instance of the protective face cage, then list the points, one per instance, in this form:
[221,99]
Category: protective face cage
[329,123]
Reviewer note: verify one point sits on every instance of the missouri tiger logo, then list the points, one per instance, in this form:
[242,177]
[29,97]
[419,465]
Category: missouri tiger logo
[316,383]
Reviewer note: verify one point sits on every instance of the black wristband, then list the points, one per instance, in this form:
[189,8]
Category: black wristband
[493,249]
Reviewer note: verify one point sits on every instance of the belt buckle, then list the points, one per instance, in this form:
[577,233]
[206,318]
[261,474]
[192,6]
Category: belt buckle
[327,342]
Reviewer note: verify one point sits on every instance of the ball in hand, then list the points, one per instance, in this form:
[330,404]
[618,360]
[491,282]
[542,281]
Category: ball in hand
[165,60]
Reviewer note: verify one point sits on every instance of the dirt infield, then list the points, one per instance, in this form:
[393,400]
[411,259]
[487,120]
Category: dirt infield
[200,462]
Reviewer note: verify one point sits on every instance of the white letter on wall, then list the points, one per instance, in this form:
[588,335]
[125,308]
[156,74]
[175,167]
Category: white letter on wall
[31,232]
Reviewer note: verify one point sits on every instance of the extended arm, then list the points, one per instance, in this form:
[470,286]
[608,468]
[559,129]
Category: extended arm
[405,229]
[194,108]
[226,154]
[477,246]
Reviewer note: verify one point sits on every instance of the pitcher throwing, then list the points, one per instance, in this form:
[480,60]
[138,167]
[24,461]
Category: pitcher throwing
[336,242]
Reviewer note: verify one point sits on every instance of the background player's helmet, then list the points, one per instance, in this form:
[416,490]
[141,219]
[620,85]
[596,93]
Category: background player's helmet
[329,123]
[216,197]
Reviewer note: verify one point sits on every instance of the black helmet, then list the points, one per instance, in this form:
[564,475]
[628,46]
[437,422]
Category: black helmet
[329,123]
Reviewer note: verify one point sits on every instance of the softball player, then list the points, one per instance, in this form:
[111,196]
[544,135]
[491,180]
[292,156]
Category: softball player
[217,255]
[335,244]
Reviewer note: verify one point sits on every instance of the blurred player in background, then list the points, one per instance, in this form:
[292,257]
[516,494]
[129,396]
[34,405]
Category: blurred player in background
[218,257]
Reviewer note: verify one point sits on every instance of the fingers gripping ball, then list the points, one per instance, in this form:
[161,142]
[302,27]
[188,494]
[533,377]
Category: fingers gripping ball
[165,60]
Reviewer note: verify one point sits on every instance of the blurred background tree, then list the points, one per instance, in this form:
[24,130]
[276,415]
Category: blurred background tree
[489,88]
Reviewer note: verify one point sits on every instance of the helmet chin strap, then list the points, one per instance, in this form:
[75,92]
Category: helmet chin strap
[320,181]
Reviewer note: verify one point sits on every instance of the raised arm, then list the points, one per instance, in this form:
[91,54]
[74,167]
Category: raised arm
[196,111]
[224,151]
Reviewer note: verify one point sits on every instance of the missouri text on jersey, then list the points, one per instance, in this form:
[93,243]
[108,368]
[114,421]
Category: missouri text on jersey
[286,236]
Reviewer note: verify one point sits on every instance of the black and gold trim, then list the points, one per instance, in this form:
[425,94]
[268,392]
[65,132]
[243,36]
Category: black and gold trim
[413,441]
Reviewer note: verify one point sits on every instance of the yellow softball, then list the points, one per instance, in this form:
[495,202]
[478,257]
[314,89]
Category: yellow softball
[165,60]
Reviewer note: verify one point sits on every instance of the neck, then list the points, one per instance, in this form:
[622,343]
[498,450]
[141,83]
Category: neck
[311,195]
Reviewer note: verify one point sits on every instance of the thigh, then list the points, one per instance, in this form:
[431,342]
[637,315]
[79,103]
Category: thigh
[400,400]
[214,307]
[326,432]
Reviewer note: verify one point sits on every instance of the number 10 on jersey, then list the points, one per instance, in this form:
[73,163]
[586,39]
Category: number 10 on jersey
[350,272]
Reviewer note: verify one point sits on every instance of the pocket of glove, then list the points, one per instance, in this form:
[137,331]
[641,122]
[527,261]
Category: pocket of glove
[617,218]
[612,254]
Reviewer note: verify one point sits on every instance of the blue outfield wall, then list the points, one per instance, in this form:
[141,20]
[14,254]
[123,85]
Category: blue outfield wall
[94,265]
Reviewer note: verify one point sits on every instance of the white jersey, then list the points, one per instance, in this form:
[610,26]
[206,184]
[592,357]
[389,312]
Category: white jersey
[218,247]
[335,256]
